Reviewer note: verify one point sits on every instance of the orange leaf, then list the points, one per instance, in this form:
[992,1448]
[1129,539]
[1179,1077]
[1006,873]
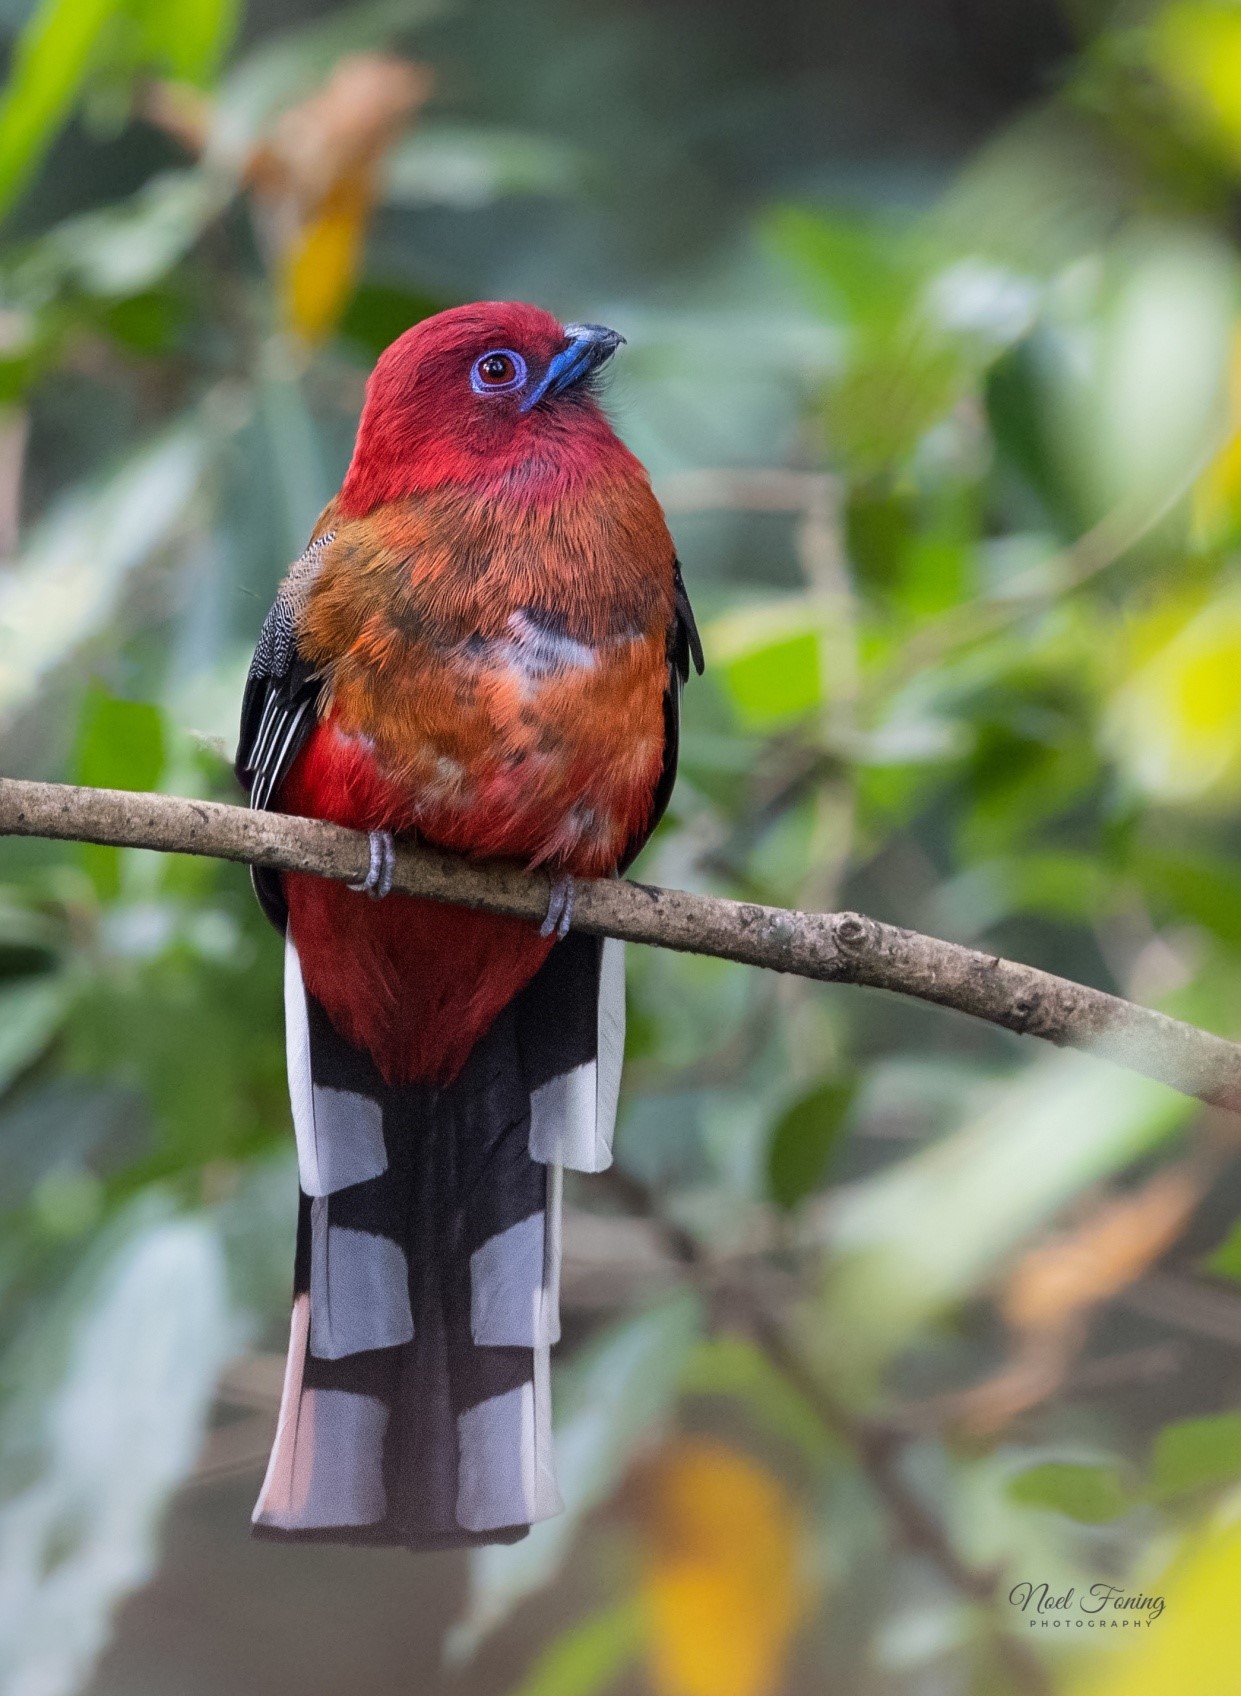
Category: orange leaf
[347,126]
[1118,1242]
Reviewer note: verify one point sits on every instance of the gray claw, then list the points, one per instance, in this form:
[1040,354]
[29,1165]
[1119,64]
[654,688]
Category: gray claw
[378,880]
[559,914]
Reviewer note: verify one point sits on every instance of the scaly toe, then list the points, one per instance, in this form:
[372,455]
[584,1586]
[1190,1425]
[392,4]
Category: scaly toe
[559,915]
[387,866]
[378,880]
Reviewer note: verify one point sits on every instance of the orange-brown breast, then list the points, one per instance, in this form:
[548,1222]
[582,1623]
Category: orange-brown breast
[504,670]
[494,681]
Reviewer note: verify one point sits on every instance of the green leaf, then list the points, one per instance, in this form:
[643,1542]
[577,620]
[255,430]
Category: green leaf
[30,1015]
[1194,1453]
[116,1382]
[733,1366]
[1225,1262]
[120,746]
[146,323]
[925,1232]
[378,313]
[1092,1495]
[65,586]
[187,38]
[776,684]
[1198,886]
[120,743]
[50,63]
[1016,399]
[891,396]
[60,46]
[859,271]
[770,658]
[114,252]
[803,1140]
[589,1655]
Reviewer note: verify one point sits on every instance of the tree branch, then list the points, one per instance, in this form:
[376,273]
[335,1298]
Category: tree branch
[829,947]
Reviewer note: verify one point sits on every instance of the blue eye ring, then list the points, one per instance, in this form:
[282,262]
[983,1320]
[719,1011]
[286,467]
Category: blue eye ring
[498,372]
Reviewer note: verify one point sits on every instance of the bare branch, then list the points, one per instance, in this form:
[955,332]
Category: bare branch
[828,947]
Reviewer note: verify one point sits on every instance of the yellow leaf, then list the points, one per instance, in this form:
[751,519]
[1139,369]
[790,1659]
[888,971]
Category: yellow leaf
[1176,722]
[722,1576]
[322,262]
[1197,49]
[1217,493]
[1195,1644]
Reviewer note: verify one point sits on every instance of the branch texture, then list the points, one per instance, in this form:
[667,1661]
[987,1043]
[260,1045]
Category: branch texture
[829,947]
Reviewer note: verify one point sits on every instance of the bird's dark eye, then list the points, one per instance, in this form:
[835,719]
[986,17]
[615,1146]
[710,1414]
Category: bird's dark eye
[497,371]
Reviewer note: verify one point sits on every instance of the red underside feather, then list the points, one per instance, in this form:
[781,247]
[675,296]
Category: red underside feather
[416,983]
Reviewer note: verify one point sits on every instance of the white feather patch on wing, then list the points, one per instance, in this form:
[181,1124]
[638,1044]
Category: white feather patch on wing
[339,1133]
[506,1472]
[326,1465]
[611,1058]
[359,1289]
[506,1286]
[297,1064]
[573,1117]
[496,1461]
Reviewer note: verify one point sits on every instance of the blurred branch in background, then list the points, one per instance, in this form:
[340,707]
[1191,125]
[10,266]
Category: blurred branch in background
[830,947]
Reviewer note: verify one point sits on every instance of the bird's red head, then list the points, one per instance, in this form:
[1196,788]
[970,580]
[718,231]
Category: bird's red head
[495,398]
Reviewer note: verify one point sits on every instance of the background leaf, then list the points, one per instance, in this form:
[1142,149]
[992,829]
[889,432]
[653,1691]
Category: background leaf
[588,1656]
[120,1428]
[50,62]
[1094,1495]
[802,1142]
[31,1012]
[1195,1453]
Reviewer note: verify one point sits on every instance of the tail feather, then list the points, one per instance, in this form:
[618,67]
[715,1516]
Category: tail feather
[416,1404]
[572,1022]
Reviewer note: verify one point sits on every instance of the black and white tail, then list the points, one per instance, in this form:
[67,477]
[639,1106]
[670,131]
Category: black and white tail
[416,1405]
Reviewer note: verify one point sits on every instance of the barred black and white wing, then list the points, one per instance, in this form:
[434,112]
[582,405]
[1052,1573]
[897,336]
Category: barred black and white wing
[279,707]
[684,645]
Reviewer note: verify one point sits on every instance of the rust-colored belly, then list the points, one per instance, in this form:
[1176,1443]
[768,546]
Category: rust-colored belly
[553,766]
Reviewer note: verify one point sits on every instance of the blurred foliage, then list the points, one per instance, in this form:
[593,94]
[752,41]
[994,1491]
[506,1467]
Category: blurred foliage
[720,1572]
[1196,1641]
[961,513]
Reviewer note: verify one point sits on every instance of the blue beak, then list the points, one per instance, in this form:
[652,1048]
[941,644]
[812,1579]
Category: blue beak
[589,346]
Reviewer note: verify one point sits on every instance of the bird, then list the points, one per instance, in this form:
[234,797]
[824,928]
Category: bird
[482,648]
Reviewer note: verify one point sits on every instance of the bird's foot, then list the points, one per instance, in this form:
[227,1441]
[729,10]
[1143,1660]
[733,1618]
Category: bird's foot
[559,915]
[378,880]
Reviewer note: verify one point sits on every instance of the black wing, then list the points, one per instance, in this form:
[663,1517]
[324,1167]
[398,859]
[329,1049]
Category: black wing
[684,645]
[278,709]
